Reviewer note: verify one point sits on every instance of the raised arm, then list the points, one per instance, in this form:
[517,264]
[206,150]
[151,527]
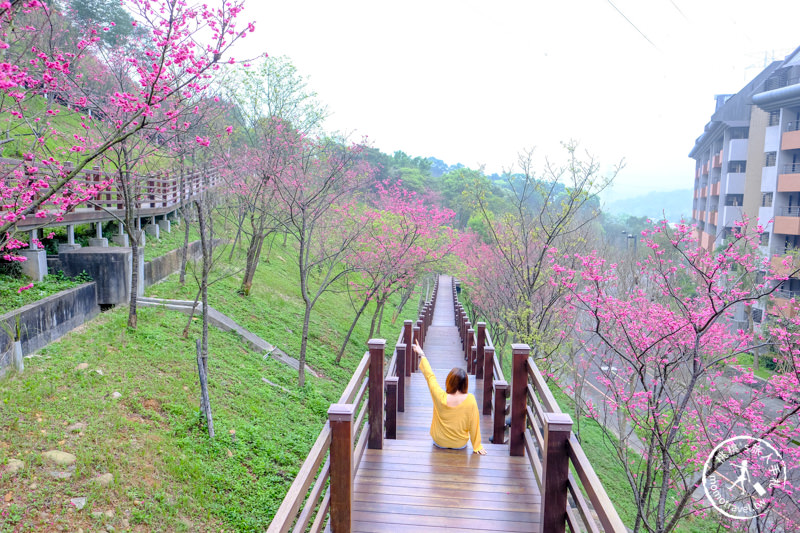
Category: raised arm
[430,377]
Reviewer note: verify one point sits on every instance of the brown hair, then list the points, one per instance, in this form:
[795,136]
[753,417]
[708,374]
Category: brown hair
[457,381]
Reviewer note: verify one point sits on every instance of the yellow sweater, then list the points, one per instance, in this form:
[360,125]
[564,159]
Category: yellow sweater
[451,427]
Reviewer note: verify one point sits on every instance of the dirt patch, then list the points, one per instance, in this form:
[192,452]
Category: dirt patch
[154,405]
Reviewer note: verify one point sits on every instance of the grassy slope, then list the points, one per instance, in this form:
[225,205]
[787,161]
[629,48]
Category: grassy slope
[169,476]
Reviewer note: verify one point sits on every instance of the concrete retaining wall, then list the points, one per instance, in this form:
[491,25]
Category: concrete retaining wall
[161,267]
[44,321]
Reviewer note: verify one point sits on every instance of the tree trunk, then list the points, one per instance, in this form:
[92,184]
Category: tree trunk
[132,317]
[185,249]
[191,315]
[303,267]
[205,245]
[380,317]
[239,224]
[350,331]
[403,300]
[301,372]
[378,309]
[253,255]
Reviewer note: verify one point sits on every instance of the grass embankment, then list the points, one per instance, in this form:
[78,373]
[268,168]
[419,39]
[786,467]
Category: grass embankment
[168,475]
[746,361]
[168,241]
[14,295]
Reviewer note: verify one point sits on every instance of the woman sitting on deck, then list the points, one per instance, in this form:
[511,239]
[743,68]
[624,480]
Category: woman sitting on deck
[455,412]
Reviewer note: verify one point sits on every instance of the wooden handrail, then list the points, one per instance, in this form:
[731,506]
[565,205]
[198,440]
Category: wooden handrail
[153,191]
[364,434]
[541,407]
[540,428]
[287,512]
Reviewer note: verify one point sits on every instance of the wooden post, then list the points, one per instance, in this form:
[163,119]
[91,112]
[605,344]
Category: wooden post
[555,469]
[340,417]
[421,326]
[415,358]
[468,348]
[499,418]
[402,361]
[488,377]
[377,348]
[519,384]
[408,340]
[480,345]
[391,407]
[474,359]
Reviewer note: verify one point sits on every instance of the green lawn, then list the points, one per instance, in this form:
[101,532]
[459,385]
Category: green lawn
[13,293]
[168,475]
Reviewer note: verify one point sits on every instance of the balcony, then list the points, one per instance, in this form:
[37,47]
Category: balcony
[789,178]
[705,169]
[787,220]
[765,216]
[737,150]
[782,303]
[769,179]
[712,218]
[734,183]
[717,160]
[778,268]
[707,241]
[703,192]
[772,138]
[714,189]
[730,214]
[790,140]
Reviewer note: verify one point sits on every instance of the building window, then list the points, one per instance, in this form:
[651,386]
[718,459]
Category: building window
[766,199]
[734,199]
[758,315]
[764,239]
[737,166]
[774,118]
[770,158]
[739,133]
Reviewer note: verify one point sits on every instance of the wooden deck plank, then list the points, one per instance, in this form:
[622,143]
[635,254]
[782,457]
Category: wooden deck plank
[410,485]
[412,499]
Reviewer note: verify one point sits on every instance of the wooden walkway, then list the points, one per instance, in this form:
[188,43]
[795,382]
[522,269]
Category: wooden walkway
[410,485]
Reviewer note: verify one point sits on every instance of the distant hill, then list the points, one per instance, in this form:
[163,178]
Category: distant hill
[672,204]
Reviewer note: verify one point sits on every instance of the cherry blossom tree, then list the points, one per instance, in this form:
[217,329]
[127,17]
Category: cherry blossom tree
[166,72]
[551,209]
[672,382]
[318,191]
[403,237]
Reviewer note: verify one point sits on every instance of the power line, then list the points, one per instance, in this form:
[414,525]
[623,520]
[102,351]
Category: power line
[679,9]
[632,24]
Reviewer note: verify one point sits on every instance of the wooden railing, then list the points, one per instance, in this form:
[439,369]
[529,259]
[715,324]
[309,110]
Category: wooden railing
[481,360]
[365,414]
[542,433]
[161,190]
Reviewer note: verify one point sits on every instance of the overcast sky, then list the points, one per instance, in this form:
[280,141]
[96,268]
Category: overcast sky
[476,82]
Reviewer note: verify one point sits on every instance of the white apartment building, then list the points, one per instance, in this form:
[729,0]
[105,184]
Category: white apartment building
[747,165]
